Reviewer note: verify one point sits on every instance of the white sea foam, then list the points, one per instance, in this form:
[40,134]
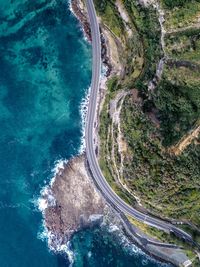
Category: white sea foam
[66,248]
[84,107]
[46,200]
[131,247]
[70,7]
[104,70]
[113,228]
[89,254]
[123,239]
[59,167]
[55,245]
[42,204]
[83,112]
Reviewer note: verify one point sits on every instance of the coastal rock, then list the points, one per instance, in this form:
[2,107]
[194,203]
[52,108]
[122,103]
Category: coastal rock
[77,204]
[80,12]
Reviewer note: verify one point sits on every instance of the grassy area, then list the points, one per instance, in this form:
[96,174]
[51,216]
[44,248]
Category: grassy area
[184,45]
[131,47]
[181,13]
[177,97]
[182,75]
[134,60]
[175,3]
[166,238]
[144,43]
[104,161]
[110,16]
[163,237]
[152,231]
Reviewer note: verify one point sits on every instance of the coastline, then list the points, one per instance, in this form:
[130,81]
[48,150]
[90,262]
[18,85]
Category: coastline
[47,199]
[78,9]
[58,246]
[58,240]
[154,251]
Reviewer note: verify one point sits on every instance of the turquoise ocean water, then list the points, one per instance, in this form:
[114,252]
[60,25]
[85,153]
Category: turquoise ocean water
[45,71]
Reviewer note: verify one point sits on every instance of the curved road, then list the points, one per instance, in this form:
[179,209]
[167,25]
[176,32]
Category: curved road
[89,137]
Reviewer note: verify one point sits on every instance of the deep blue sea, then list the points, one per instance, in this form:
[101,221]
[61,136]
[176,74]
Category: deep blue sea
[45,72]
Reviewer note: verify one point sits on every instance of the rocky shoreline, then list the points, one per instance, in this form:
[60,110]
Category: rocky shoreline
[73,201]
[78,10]
[77,204]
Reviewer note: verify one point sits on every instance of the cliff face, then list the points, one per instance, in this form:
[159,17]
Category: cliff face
[76,204]
[79,11]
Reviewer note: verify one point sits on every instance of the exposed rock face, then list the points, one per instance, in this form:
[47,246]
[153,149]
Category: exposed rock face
[77,203]
[80,12]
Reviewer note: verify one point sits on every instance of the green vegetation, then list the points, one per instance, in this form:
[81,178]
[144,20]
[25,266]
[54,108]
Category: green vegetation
[178,104]
[130,48]
[112,84]
[163,183]
[177,97]
[152,231]
[110,16]
[104,160]
[146,34]
[101,5]
[153,121]
[175,3]
[134,60]
[192,231]
[184,45]
[163,237]
[181,13]
[182,74]
[147,24]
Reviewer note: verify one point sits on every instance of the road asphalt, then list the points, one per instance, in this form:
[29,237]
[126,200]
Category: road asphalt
[97,174]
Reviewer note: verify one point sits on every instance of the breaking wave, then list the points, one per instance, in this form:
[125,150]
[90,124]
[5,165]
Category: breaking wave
[83,113]
[46,200]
